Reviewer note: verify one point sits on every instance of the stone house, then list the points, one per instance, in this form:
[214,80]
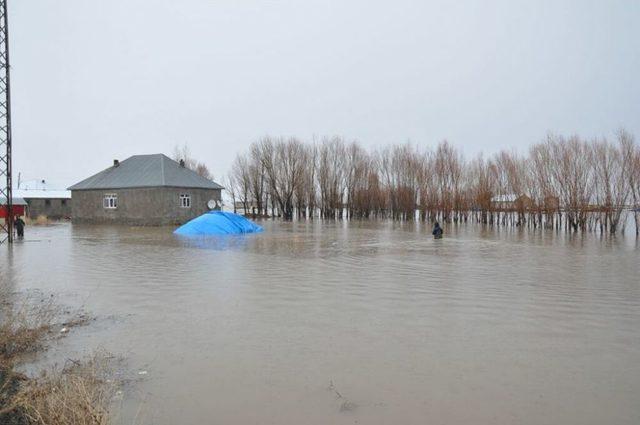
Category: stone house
[144,190]
[53,204]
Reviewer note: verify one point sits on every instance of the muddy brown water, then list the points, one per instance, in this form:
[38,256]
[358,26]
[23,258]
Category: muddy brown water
[341,323]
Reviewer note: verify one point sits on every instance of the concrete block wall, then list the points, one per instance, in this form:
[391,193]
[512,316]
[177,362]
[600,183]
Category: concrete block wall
[52,208]
[141,206]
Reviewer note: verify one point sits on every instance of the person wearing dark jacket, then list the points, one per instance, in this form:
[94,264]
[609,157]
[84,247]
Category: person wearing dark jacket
[437,231]
[19,226]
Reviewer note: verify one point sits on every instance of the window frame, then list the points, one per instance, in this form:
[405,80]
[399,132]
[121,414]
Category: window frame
[184,200]
[110,201]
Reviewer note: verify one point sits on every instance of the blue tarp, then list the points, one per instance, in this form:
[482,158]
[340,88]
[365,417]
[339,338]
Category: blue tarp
[217,223]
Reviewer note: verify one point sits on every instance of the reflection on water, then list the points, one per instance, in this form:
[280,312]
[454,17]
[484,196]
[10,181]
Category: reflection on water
[374,322]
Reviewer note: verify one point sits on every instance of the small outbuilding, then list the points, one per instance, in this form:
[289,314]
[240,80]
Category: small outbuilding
[53,204]
[144,190]
[511,202]
[18,207]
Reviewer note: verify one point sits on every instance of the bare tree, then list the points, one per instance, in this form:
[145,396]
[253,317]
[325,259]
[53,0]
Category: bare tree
[544,190]
[571,165]
[482,185]
[258,179]
[611,182]
[567,183]
[240,180]
[183,153]
[448,165]
[230,187]
[631,156]
[284,162]
[330,172]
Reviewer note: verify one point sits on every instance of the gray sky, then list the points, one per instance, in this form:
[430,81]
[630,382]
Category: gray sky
[98,80]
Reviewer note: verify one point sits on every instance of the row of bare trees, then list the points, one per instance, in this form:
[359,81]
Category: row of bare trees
[562,182]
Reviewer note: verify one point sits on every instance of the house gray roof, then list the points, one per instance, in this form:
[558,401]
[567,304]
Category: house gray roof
[15,201]
[42,194]
[155,170]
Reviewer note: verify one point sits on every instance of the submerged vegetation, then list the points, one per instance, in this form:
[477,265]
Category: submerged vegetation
[568,183]
[78,393]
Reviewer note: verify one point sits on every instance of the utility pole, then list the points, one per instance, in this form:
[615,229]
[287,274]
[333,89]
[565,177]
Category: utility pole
[5,127]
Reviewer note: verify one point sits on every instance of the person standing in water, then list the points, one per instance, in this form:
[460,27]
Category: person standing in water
[19,227]
[437,231]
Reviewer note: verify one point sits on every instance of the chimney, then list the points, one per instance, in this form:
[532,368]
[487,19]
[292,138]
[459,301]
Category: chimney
[182,163]
[116,162]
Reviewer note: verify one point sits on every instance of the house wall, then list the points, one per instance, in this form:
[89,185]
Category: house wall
[141,206]
[55,209]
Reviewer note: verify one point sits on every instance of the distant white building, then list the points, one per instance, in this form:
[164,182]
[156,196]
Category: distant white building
[44,200]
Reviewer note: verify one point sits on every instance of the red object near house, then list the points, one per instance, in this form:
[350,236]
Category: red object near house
[18,207]
[17,210]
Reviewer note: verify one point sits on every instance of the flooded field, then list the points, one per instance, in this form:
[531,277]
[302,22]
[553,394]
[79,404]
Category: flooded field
[342,323]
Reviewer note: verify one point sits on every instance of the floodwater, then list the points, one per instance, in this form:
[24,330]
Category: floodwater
[342,323]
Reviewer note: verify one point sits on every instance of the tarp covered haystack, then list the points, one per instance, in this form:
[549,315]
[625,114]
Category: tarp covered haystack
[217,223]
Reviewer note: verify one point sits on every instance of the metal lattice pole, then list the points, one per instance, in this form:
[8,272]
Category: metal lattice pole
[5,126]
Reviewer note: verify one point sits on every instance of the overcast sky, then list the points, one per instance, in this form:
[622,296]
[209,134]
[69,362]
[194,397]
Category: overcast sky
[98,80]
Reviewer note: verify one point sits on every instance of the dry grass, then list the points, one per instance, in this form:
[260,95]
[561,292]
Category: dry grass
[24,329]
[78,394]
[41,220]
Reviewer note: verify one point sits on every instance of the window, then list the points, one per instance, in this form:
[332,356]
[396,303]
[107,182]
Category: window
[47,202]
[63,202]
[110,201]
[185,200]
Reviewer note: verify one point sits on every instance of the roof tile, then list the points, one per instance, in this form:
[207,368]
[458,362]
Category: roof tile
[156,170]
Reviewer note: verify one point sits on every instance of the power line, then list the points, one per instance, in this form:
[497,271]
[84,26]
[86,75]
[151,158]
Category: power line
[5,126]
